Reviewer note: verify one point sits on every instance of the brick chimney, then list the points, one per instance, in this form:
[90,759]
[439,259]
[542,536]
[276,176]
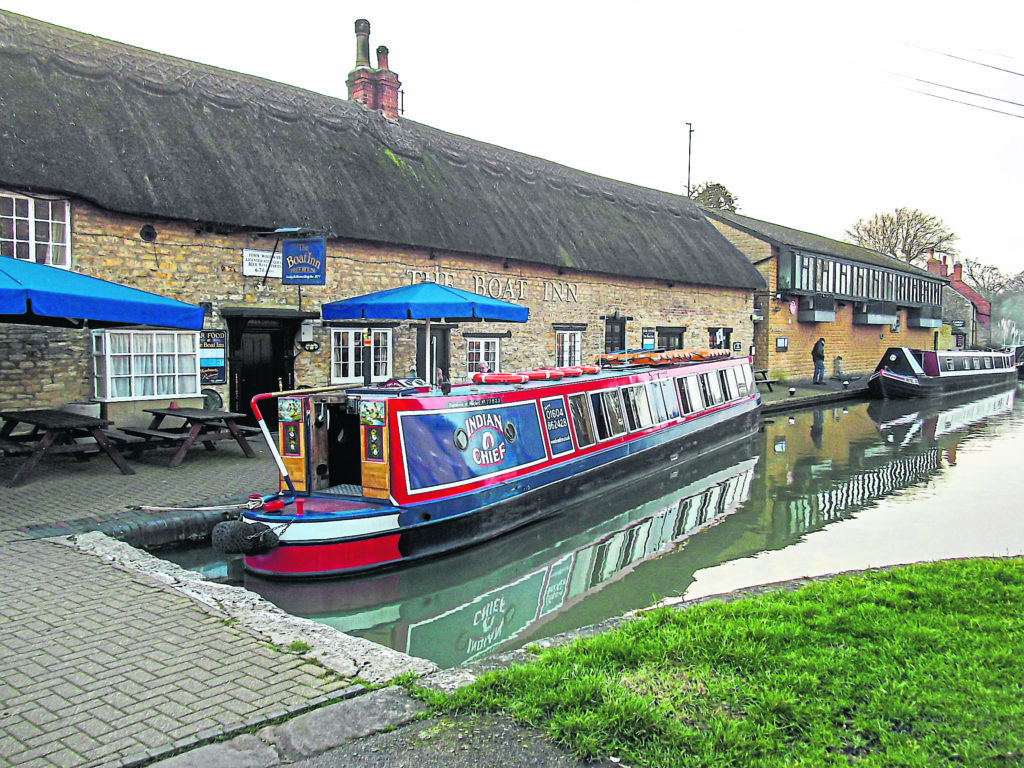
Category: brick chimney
[376,89]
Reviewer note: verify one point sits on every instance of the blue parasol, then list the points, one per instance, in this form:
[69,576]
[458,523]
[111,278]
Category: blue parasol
[36,294]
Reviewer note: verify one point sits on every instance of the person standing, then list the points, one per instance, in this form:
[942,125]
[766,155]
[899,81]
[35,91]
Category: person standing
[818,357]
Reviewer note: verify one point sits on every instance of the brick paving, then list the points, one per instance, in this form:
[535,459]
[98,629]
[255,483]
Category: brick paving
[106,667]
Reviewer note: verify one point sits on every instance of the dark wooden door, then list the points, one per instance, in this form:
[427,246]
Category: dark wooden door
[614,335]
[260,362]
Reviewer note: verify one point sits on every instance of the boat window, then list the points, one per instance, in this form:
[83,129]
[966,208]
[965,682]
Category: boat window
[712,388]
[948,362]
[638,408]
[988,362]
[581,423]
[741,382]
[977,363]
[608,413]
[690,395]
[671,402]
[748,376]
[657,402]
[728,384]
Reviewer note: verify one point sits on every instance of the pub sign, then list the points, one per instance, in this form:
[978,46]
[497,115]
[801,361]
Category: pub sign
[304,262]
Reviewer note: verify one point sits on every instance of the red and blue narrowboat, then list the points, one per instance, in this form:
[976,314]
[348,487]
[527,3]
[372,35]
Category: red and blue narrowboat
[906,372]
[379,476]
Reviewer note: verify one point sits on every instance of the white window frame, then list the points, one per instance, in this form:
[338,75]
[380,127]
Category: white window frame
[351,339]
[145,364]
[483,349]
[568,344]
[41,219]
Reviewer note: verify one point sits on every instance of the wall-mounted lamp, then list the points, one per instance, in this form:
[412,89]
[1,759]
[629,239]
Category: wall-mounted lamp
[670,284]
[561,271]
[148,233]
[432,254]
[505,264]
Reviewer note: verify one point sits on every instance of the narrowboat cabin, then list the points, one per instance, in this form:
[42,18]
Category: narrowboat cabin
[378,476]
[906,372]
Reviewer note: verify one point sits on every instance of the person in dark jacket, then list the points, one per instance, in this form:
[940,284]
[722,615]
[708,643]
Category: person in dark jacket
[818,356]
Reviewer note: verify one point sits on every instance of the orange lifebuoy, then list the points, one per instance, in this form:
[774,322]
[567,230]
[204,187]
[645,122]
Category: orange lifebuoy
[543,373]
[500,378]
[591,368]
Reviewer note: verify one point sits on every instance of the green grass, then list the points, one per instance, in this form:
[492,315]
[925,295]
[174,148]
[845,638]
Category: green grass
[915,666]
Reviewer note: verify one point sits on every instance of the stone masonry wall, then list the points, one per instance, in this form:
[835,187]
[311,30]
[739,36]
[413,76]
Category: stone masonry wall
[47,367]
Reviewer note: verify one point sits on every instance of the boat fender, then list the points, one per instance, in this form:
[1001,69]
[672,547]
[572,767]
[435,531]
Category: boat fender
[233,537]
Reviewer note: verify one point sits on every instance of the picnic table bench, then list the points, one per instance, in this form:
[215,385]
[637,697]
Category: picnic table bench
[55,431]
[200,426]
[761,377]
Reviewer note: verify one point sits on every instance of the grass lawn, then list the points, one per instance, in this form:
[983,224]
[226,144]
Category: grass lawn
[921,665]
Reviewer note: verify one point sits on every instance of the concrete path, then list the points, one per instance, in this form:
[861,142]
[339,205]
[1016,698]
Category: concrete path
[115,658]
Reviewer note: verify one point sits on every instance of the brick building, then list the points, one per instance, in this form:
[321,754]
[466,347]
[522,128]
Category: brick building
[172,177]
[860,301]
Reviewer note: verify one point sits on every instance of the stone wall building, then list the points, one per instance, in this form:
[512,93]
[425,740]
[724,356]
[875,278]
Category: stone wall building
[860,301]
[184,180]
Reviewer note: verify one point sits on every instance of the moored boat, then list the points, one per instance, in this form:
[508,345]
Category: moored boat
[906,372]
[377,476]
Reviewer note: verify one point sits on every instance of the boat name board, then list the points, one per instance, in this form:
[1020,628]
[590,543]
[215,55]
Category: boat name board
[556,423]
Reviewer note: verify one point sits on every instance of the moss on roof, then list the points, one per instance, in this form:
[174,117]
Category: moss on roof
[142,133]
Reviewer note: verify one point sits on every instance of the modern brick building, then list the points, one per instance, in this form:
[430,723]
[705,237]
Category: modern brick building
[860,301]
[172,177]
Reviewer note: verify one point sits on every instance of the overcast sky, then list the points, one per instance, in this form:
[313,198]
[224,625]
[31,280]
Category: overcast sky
[807,111]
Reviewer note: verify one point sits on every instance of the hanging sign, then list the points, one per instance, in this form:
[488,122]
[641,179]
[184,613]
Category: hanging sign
[304,262]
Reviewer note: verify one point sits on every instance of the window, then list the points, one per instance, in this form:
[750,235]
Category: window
[690,394]
[657,402]
[32,229]
[638,408]
[670,338]
[140,365]
[608,413]
[347,355]
[482,351]
[579,411]
[567,348]
[671,403]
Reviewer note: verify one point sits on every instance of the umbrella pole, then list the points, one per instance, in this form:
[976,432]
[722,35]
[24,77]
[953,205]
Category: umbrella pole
[427,356]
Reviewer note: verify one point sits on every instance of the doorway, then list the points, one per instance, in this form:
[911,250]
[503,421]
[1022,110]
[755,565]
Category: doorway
[261,355]
[440,352]
[614,334]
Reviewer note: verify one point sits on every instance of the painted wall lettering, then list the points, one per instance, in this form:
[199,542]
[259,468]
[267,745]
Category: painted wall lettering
[564,292]
[446,279]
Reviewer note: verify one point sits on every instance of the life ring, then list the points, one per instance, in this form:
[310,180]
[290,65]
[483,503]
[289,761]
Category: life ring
[540,374]
[591,368]
[572,370]
[709,354]
[500,378]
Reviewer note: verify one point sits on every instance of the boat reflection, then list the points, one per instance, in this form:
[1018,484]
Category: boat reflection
[474,602]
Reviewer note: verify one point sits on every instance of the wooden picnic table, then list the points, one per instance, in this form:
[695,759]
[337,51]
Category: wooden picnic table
[761,377]
[55,431]
[200,426]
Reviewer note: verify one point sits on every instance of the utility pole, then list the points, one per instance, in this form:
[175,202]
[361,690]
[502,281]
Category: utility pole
[689,155]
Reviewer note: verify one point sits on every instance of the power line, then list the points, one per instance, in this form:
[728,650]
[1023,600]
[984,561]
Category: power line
[969,93]
[967,103]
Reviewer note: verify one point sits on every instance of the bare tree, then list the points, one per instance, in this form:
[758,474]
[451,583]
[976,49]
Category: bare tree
[907,234]
[711,194]
[989,281]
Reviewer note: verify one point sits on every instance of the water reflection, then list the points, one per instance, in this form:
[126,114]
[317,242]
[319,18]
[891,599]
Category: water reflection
[850,486]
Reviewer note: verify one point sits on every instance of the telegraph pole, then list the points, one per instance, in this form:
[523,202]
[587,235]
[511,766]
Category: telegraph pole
[689,155]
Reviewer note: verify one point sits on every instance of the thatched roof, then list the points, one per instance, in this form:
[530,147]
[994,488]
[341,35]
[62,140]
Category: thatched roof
[142,133]
[796,240]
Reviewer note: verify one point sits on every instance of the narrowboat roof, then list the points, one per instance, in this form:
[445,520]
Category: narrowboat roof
[151,135]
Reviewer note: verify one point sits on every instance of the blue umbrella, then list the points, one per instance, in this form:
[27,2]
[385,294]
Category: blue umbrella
[424,301]
[36,294]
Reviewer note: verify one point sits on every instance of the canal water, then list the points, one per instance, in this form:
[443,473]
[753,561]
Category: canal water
[854,485]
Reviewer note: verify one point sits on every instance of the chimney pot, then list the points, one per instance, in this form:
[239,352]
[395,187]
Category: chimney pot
[382,57]
[362,43]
